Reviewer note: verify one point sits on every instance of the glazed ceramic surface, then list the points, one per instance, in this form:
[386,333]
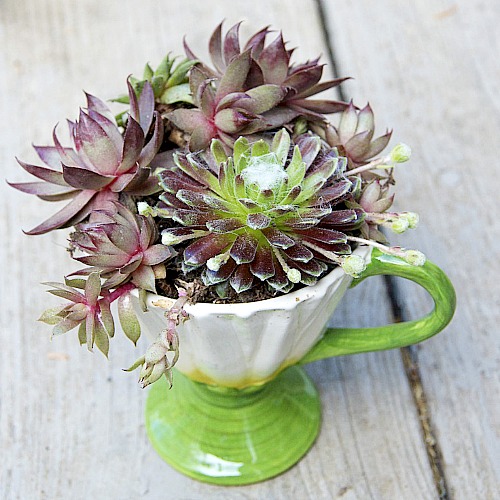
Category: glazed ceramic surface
[238,345]
[236,417]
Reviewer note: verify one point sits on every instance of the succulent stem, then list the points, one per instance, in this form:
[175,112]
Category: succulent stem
[376,163]
[118,292]
[413,257]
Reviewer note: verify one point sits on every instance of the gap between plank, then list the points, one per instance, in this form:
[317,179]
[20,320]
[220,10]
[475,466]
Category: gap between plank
[409,354]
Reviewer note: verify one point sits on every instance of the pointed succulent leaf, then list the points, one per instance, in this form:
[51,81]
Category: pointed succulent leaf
[273,60]
[45,174]
[101,338]
[262,98]
[218,152]
[187,119]
[296,170]
[64,326]
[241,147]
[235,75]
[242,279]
[128,318]
[51,316]
[281,145]
[107,317]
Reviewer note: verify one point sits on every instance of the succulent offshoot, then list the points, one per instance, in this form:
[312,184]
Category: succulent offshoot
[169,82]
[413,257]
[122,247]
[399,154]
[353,136]
[155,361]
[88,308]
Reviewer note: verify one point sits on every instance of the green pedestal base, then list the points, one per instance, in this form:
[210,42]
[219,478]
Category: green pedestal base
[233,437]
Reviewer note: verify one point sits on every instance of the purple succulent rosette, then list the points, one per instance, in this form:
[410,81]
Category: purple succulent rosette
[250,91]
[102,166]
[120,246]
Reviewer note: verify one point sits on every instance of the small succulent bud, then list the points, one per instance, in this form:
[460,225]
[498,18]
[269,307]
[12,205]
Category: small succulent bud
[400,153]
[154,373]
[353,265]
[412,219]
[415,257]
[294,275]
[400,225]
[144,209]
[155,353]
[300,127]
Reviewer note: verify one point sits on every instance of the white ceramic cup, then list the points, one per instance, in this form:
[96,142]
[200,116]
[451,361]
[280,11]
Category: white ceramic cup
[238,345]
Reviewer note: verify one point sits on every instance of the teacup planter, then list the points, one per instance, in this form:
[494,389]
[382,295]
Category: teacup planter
[242,409]
[226,183]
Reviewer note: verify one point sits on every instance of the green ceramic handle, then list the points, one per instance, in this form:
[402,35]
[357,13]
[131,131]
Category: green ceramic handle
[340,341]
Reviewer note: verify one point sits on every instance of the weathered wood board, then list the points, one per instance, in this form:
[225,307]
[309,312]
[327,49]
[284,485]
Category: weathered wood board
[429,70]
[71,423]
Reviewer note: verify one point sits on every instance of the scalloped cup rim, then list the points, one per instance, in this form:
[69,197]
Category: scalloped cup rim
[282,302]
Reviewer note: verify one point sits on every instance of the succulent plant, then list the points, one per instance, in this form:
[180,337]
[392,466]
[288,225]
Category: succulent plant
[155,361]
[102,163]
[170,83]
[270,65]
[223,110]
[272,212]
[247,203]
[122,247]
[89,309]
[354,136]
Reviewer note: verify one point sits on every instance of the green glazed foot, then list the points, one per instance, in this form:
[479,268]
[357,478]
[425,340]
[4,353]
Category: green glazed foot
[230,436]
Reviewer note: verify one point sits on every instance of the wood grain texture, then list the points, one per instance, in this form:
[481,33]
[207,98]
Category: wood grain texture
[429,70]
[71,423]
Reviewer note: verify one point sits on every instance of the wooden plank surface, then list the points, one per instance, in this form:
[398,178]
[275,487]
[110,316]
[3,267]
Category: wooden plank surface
[429,69]
[71,423]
